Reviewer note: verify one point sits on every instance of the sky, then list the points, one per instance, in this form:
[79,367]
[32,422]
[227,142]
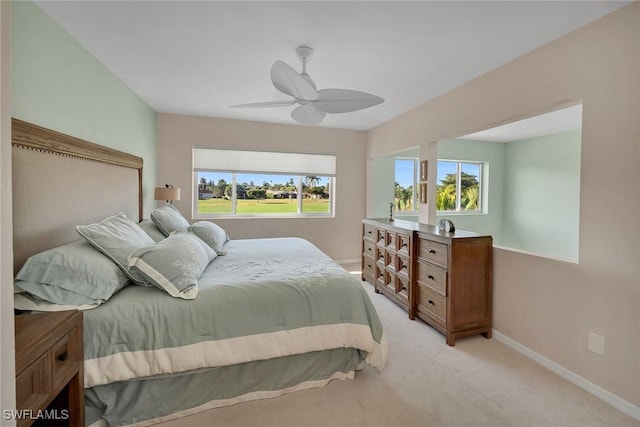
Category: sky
[257,178]
[405,172]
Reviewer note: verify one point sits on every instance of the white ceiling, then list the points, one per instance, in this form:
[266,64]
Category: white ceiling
[198,58]
[550,123]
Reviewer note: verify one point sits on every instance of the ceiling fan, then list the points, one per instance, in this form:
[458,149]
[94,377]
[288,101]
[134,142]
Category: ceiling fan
[313,104]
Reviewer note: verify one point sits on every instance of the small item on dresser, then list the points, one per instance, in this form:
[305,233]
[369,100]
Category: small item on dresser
[447,225]
[391,211]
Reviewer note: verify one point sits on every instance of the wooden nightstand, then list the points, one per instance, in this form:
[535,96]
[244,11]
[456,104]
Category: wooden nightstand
[49,369]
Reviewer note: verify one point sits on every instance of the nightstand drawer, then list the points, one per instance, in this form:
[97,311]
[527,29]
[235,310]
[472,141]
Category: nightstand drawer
[433,251]
[65,357]
[431,302]
[49,365]
[34,384]
[432,276]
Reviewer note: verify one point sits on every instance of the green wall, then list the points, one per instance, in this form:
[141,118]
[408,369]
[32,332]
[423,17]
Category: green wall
[383,179]
[490,221]
[542,195]
[532,202]
[58,84]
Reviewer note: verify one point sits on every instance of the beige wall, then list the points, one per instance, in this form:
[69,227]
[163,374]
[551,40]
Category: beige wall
[339,237]
[7,358]
[545,305]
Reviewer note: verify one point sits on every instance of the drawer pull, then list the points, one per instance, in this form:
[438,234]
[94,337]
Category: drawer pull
[369,249]
[62,356]
[431,302]
[432,251]
[369,266]
[430,277]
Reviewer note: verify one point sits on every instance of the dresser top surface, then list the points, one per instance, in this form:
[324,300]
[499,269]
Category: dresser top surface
[422,228]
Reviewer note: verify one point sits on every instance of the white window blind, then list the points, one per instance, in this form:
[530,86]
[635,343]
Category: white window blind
[209,159]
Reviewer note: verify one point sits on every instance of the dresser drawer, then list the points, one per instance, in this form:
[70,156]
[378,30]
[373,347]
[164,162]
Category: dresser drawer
[403,266]
[369,232]
[432,276]
[404,243]
[391,241]
[432,302]
[369,248]
[433,251]
[368,266]
[402,288]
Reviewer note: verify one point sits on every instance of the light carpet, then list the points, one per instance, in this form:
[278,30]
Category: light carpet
[479,382]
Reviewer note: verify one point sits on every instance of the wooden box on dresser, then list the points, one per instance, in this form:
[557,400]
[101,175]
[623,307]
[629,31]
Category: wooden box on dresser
[443,278]
[49,369]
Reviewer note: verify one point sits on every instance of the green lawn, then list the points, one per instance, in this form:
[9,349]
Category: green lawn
[268,206]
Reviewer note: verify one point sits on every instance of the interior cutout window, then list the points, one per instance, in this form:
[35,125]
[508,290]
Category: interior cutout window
[406,178]
[459,186]
[256,183]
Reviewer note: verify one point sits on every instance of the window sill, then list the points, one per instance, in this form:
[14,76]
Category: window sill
[250,216]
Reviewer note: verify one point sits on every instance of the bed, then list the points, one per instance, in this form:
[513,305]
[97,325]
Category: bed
[265,317]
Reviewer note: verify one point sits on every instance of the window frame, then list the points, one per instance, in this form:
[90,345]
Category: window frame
[481,189]
[415,202]
[234,196]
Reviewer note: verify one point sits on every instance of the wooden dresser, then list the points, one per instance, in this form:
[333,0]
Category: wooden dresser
[386,260]
[443,278]
[49,369]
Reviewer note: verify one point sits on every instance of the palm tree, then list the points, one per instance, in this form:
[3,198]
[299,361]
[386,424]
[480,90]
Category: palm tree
[470,201]
[446,197]
[407,197]
[312,181]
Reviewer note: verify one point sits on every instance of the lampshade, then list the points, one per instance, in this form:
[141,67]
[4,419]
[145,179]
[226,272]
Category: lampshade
[169,193]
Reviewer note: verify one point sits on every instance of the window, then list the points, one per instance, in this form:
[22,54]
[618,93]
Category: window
[260,183]
[406,178]
[459,186]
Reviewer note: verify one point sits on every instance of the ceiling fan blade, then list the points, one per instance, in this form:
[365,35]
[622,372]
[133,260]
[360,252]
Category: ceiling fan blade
[268,104]
[308,114]
[344,100]
[289,81]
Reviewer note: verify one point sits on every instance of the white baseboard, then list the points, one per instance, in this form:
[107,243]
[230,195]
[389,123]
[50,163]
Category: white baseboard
[348,261]
[617,402]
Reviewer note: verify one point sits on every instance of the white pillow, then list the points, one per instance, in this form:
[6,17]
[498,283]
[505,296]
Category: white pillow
[212,234]
[116,237]
[174,264]
[169,219]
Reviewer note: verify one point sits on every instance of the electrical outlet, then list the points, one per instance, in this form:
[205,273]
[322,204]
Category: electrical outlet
[596,344]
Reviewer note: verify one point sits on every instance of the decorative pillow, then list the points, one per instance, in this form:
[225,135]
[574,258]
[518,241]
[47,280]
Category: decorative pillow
[117,237]
[174,264]
[152,230]
[212,234]
[168,219]
[74,274]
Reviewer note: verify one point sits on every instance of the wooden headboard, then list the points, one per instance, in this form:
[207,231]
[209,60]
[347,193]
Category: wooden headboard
[60,181]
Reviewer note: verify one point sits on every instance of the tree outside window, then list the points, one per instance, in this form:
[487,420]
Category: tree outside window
[459,186]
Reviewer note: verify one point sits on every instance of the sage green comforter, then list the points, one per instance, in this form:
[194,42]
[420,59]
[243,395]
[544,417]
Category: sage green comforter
[266,299]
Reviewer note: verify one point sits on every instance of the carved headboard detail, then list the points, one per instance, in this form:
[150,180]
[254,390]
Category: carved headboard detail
[60,181]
